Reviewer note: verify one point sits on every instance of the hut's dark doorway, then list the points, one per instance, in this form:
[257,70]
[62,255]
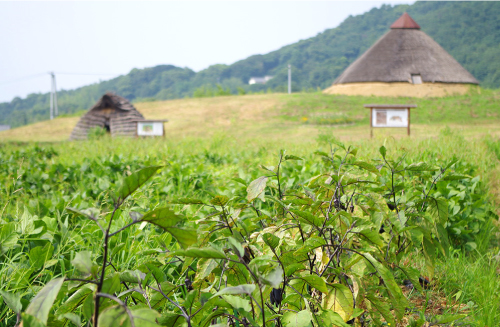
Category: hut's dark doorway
[106,126]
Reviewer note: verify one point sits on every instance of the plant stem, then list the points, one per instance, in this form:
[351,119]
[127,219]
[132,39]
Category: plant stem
[103,270]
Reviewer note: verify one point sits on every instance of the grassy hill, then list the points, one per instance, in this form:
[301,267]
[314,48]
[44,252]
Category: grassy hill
[298,117]
[469,31]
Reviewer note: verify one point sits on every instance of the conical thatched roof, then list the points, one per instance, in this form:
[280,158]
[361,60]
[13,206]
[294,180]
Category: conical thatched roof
[402,52]
[112,112]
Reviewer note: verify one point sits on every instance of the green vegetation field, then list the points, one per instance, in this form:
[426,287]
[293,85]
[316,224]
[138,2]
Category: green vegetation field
[217,225]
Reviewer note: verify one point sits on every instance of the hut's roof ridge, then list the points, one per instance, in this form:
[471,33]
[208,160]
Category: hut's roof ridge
[405,21]
[401,53]
[112,100]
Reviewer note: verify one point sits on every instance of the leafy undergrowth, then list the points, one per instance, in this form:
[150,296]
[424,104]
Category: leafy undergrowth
[318,240]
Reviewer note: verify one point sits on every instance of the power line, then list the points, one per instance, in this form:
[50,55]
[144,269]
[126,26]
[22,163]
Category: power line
[22,78]
[92,74]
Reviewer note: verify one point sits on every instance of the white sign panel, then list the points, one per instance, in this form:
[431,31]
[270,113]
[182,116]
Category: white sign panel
[146,128]
[390,117]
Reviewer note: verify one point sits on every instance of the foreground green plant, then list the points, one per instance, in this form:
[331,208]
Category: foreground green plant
[279,250]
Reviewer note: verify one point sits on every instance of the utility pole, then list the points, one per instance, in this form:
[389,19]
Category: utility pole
[289,79]
[54,112]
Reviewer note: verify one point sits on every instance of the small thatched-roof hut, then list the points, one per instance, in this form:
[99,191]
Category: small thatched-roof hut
[404,62]
[112,112]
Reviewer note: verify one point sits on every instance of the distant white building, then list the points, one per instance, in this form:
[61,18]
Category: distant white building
[4,127]
[259,80]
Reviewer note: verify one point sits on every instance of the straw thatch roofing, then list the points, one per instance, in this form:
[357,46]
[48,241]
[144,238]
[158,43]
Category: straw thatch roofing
[112,112]
[402,52]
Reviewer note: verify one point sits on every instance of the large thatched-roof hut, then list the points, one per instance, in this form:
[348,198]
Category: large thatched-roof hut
[112,112]
[404,62]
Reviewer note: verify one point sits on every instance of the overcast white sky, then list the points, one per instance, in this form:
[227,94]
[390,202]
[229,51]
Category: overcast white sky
[107,39]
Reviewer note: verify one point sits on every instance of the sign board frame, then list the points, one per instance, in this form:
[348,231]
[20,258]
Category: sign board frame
[150,128]
[390,116]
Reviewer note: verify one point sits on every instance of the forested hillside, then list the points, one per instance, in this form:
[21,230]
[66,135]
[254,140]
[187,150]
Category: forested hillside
[469,31]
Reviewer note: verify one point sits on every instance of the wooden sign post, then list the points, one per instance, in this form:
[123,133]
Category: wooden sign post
[389,115]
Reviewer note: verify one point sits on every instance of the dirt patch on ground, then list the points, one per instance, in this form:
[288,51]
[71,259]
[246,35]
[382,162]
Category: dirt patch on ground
[399,89]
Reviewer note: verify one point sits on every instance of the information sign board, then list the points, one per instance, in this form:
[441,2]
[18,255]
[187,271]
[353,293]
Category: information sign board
[383,117]
[150,128]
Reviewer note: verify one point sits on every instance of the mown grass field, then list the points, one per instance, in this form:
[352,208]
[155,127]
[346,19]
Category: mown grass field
[213,141]
[296,117]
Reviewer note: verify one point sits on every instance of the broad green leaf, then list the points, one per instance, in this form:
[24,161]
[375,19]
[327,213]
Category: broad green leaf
[330,318]
[381,306]
[205,267]
[88,307]
[145,317]
[170,319]
[420,166]
[455,177]
[372,236]
[274,278]
[292,268]
[239,180]
[399,300]
[114,316]
[74,301]
[187,201]
[111,284]
[366,166]
[310,244]
[8,237]
[238,302]
[292,157]
[271,240]
[236,245]
[316,282]
[256,187]
[82,262]
[321,153]
[185,236]
[297,319]
[30,321]
[168,219]
[133,182]
[163,217]
[27,224]
[74,318]
[40,306]
[338,143]
[308,218]
[158,275]
[430,256]
[383,151]
[340,300]
[219,200]
[413,275]
[444,243]
[208,320]
[439,209]
[130,276]
[117,316]
[240,289]
[200,253]
[167,287]
[12,300]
